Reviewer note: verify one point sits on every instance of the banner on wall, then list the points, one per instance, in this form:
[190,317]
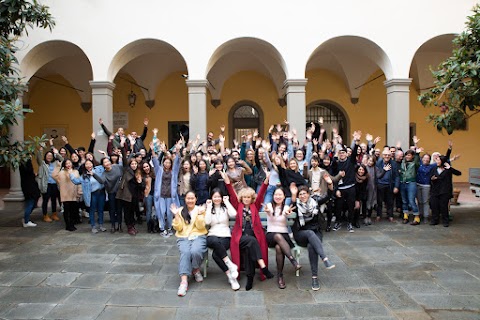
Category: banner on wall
[120,120]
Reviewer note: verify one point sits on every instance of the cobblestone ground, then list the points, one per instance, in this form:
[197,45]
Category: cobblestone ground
[384,271]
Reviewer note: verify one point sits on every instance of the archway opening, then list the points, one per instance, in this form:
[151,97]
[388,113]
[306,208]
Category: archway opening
[333,117]
[245,117]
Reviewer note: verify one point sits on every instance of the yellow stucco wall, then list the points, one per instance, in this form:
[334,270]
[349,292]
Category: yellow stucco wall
[246,85]
[55,105]
[58,106]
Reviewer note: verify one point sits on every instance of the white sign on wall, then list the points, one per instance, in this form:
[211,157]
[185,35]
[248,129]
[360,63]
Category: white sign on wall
[120,120]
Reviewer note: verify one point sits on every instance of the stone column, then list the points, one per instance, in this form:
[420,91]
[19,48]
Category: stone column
[16,134]
[197,107]
[102,107]
[296,105]
[398,112]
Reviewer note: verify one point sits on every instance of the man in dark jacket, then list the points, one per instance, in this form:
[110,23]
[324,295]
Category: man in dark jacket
[30,190]
[136,141]
[387,185]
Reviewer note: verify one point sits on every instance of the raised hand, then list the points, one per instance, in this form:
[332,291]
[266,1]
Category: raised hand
[415,140]
[65,139]
[100,121]
[369,137]
[51,141]
[327,178]
[195,169]
[271,128]
[450,144]
[173,208]
[222,128]
[145,122]
[387,167]
[320,120]
[315,142]
[377,140]
[226,198]
[447,165]
[209,203]
[93,135]
[155,131]
[293,189]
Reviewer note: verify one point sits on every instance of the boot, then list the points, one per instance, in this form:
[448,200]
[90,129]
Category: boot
[131,231]
[46,218]
[55,216]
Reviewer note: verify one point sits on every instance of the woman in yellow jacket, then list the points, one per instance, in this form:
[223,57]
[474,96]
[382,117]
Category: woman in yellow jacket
[69,192]
[189,223]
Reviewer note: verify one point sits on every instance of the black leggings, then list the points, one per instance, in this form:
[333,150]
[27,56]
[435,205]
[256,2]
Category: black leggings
[70,208]
[439,206]
[348,197]
[220,245]
[250,245]
[52,194]
[128,212]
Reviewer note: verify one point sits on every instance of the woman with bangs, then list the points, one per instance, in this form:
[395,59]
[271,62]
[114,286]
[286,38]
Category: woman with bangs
[277,233]
[247,233]
[236,174]
[289,176]
[199,181]
[215,179]
[149,177]
[184,180]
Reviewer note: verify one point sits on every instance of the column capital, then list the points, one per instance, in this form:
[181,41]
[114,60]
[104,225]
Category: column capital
[397,85]
[196,83]
[102,85]
[295,82]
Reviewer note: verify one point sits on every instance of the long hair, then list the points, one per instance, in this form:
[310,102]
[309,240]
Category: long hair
[151,174]
[45,156]
[222,204]
[185,214]
[282,205]
[64,162]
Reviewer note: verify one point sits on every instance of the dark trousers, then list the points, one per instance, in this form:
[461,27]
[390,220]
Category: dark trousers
[384,193]
[69,209]
[439,206]
[250,246]
[219,245]
[348,198]
[128,211]
[52,194]
[115,209]
[313,241]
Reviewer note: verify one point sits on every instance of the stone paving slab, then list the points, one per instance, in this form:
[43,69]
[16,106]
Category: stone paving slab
[385,271]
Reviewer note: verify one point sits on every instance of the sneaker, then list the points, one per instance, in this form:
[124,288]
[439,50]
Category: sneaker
[337,226]
[198,276]
[232,267]
[86,214]
[165,234]
[94,230]
[328,264]
[233,281]
[334,218]
[315,284]
[350,228]
[182,289]
[369,221]
[29,224]
[365,222]
[102,228]
[170,231]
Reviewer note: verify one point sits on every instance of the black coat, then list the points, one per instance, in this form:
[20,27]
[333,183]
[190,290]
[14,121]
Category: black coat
[442,183]
[29,184]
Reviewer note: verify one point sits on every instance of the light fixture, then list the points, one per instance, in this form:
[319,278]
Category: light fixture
[185,76]
[132,98]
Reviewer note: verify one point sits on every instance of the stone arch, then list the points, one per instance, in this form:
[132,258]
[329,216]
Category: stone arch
[354,59]
[241,54]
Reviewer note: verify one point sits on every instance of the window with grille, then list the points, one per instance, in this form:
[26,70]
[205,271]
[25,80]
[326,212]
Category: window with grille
[245,119]
[332,116]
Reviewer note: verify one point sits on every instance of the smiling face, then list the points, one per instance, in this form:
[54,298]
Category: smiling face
[190,200]
[167,164]
[134,165]
[230,163]
[303,195]
[217,198]
[426,159]
[186,166]
[146,168]
[293,165]
[68,164]
[299,155]
[88,165]
[219,166]
[278,196]
[361,171]
[250,155]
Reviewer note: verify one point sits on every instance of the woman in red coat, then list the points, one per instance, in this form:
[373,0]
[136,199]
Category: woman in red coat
[247,233]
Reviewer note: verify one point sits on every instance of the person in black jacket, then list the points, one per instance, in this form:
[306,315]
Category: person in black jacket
[441,190]
[30,190]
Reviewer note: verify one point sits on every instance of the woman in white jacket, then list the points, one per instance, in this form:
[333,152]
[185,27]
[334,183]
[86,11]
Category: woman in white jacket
[219,211]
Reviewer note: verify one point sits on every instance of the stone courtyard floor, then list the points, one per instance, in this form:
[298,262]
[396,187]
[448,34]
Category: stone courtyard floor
[384,271]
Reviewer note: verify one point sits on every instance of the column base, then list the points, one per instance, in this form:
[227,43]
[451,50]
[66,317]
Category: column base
[14,196]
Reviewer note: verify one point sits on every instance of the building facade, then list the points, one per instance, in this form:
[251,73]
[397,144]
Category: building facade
[201,64]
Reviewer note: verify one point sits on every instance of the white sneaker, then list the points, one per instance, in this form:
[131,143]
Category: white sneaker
[94,230]
[232,267]
[182,289]
[198,276]
[102,228]
[29,224]
[86,214]
[233,281]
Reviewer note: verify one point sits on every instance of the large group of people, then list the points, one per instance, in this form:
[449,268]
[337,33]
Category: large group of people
[211,196]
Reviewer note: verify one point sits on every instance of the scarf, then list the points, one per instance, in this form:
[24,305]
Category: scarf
[306,209]
[359,178]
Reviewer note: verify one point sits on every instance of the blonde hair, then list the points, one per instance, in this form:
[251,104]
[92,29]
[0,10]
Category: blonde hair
[246,192]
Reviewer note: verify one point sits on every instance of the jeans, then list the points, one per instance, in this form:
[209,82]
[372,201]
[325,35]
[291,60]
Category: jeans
[148,203]
[423,198]
[313,241]
[52,193]
[409,193]
[191,254]
[181,200]
[269,194]
[29,206]
[220,245]
[97,203]
[164,209]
